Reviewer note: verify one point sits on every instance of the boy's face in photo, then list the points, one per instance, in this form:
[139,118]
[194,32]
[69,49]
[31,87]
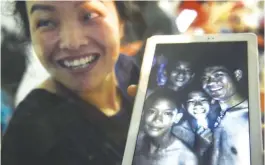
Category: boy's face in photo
[198,104]
[182,74]
[159,117]
[218,83]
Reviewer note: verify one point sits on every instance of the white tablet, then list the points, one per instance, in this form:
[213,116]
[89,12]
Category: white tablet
[197,102]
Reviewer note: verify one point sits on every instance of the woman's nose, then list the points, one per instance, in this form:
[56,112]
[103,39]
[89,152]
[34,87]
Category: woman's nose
[72,36]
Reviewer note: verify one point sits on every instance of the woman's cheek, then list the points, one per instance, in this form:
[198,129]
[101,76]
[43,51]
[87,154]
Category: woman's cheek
[44,44]
[108,36]
[113,24]
[38,47]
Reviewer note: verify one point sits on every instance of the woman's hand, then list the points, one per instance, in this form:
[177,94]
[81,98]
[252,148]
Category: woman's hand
[132,90]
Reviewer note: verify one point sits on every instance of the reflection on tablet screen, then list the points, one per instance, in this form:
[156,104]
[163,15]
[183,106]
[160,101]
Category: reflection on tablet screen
[196,107]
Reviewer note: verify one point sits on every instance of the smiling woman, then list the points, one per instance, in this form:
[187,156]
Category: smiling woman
[81,114]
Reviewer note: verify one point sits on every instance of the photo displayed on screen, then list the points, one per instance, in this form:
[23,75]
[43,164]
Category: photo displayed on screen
[196,107]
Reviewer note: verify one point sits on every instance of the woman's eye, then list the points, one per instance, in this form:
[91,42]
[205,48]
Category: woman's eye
[45,23]
[88,16]
[168,113]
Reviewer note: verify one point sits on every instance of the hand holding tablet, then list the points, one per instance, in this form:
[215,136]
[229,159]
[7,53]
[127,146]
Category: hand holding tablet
[207,110]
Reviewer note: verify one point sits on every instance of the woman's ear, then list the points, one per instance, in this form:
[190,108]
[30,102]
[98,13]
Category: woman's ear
[238,74]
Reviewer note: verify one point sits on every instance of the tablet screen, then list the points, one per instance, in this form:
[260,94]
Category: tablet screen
[196,106]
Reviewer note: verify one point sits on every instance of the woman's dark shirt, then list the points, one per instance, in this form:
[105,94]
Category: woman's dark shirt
[47,129]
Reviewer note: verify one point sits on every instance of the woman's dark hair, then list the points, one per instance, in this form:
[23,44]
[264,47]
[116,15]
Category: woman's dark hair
[128,11]
[13,63]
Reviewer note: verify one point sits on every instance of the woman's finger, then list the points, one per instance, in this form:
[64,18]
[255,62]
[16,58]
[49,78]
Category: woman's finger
[132,90]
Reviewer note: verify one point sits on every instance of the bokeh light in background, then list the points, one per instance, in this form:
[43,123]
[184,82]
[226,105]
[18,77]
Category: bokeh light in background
[185,19]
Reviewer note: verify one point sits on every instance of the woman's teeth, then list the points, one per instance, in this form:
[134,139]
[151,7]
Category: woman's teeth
[79,63]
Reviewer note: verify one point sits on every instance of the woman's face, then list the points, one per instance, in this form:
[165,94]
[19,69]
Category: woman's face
[77,42]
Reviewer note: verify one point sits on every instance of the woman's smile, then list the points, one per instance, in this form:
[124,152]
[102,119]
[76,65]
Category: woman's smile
[79,63]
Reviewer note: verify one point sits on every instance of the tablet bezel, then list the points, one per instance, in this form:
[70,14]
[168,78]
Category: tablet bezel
[253,89]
